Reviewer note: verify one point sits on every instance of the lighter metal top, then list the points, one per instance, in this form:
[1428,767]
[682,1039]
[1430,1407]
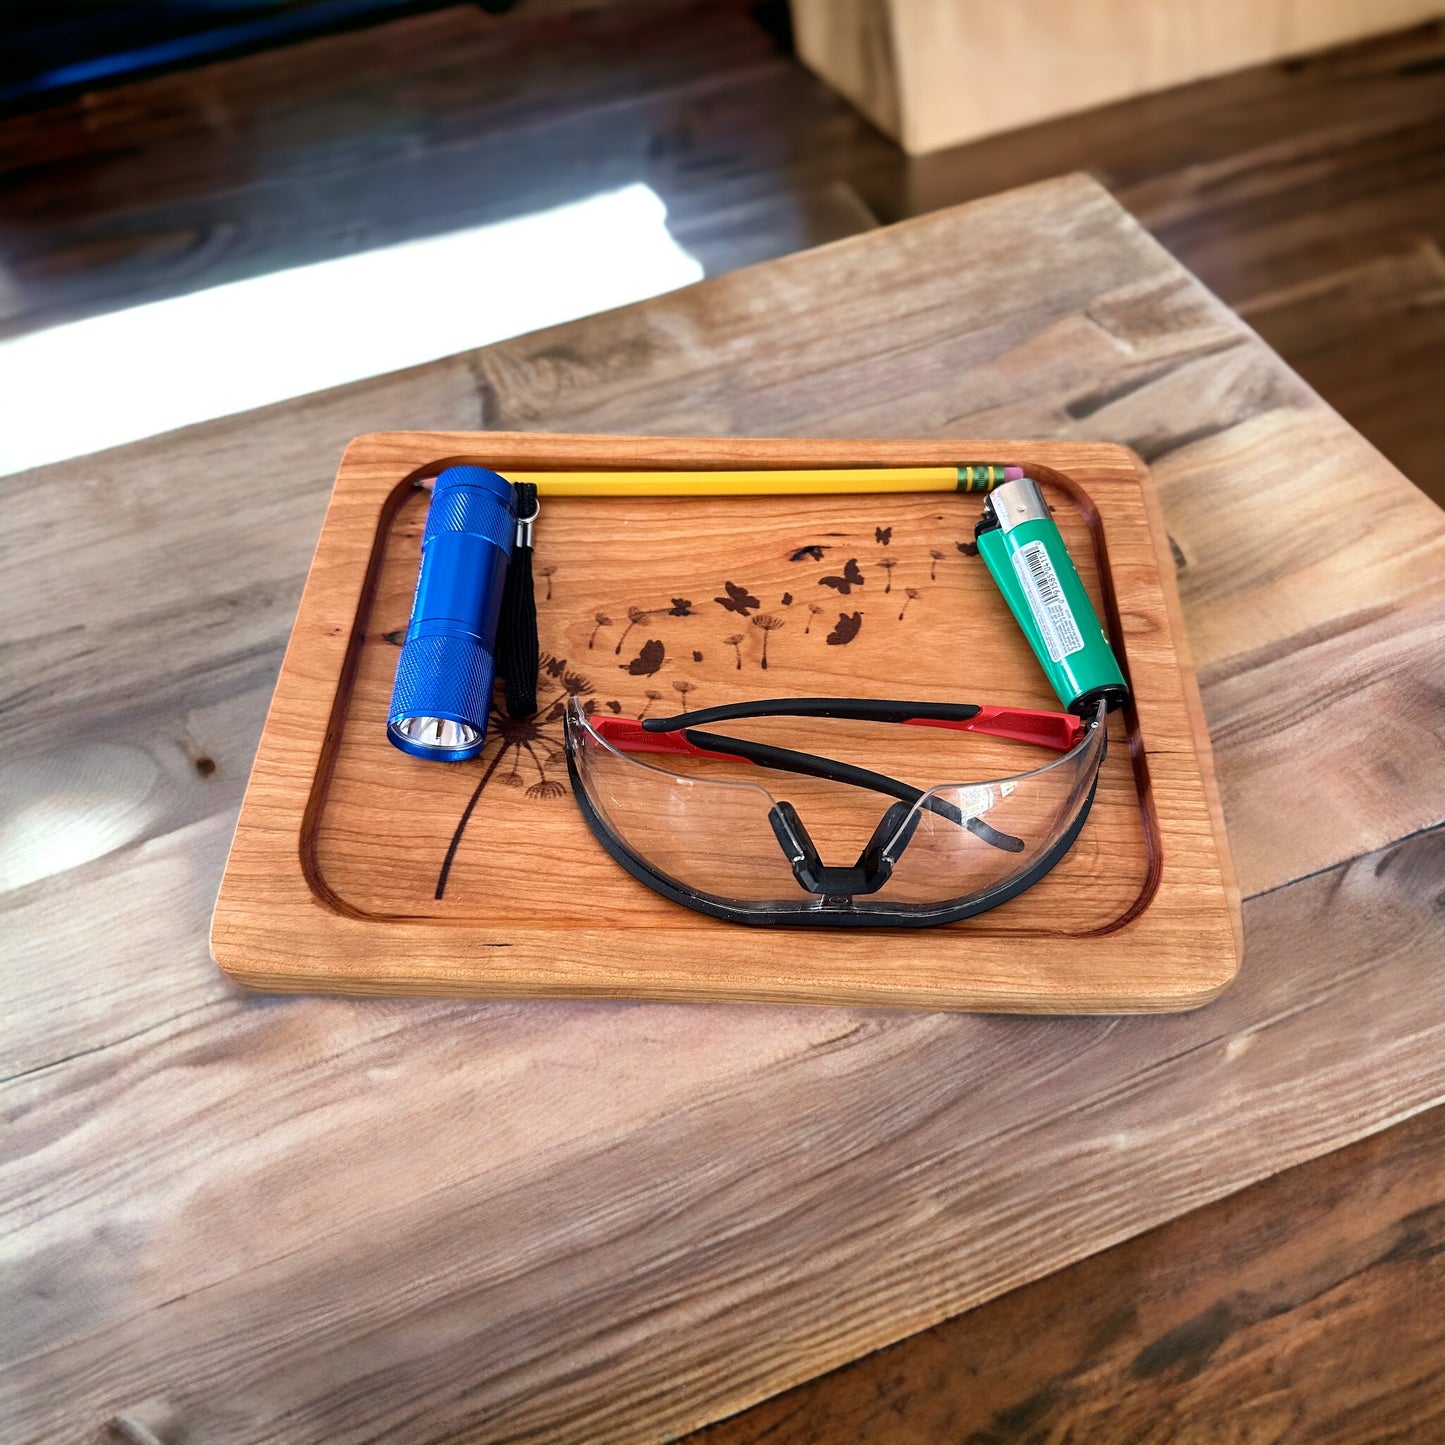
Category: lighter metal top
[1018,502]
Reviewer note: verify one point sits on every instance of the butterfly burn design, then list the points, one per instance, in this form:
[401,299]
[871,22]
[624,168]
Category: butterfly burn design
[852,577]
[738,600]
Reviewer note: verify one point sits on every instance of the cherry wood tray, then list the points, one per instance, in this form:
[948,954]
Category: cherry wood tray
[357,869]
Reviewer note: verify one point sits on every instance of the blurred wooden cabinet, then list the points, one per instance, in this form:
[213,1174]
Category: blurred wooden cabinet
[933,73]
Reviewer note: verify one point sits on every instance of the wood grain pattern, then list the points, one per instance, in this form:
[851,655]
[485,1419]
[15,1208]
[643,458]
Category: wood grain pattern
[1285,189]
[900,61]
[428,124]
[1148,922]
[338,1219]
[1306,1307]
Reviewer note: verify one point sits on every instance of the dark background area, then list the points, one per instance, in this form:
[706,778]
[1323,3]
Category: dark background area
[50,49]
[1310,195]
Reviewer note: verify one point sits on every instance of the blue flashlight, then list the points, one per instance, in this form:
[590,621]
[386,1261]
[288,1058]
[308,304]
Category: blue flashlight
[444,676]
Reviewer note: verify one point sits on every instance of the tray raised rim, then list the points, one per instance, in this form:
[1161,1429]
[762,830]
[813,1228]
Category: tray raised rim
[278,924]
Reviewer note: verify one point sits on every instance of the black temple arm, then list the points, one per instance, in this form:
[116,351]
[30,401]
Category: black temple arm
[860,709]
[810,765]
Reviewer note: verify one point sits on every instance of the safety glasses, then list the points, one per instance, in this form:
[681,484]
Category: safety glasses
[703,833]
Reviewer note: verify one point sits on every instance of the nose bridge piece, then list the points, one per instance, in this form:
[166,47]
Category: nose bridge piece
[873,868]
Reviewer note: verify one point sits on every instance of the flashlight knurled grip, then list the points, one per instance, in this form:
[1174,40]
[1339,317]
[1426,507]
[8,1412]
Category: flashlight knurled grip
[443,691]
[470,510]
[441,675]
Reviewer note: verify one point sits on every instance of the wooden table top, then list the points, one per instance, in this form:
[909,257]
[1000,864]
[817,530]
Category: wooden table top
[236,1217]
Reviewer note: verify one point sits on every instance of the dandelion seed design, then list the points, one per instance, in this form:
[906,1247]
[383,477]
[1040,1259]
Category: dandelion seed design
[934,559]
[575,685]
[548,572]
[635,615]
[526,745]
[910,594]
[602,620]
[767,622]
[736,643]
[813,611]
[681,686]
[888,564]
[651,696]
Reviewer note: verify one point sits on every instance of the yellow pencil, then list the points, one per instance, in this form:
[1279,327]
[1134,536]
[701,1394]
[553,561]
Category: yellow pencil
[972,477]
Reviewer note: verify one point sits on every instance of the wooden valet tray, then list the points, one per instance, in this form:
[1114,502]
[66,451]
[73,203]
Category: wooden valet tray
[333,880]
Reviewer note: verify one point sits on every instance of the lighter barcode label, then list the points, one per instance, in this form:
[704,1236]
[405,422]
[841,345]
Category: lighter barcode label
[1046,600]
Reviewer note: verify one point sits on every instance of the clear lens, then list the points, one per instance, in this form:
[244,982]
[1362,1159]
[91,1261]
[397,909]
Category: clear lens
[710,836]
[944,860]
[713,835]
[437,732]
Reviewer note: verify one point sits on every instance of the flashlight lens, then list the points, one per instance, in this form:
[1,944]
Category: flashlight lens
[437,732]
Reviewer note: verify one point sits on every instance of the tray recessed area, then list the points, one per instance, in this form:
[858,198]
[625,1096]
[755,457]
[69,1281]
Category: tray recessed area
[481,877]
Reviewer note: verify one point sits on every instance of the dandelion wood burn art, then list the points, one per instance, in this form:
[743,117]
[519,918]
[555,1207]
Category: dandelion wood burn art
[528,754]
[767,622]
[635,615]
[528,748]
[679,607]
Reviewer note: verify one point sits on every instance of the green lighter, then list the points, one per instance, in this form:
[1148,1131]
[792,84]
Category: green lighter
[1023,549]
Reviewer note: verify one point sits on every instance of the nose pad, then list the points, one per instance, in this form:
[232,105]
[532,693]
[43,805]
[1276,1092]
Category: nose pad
[875,863]
[893,834]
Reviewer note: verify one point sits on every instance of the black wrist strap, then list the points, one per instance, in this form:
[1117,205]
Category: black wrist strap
[517,627]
